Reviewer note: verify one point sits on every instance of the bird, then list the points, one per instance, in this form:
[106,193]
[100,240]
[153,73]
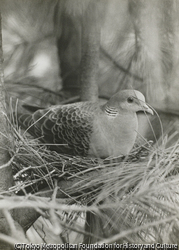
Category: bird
[89,129]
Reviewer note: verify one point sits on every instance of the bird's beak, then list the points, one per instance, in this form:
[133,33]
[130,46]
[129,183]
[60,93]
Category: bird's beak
[147,109]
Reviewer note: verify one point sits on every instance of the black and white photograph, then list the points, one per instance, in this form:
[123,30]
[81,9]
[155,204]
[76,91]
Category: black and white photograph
[89,124]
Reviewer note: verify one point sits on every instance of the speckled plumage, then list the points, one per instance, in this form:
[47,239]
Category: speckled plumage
[87,128]
[68,127]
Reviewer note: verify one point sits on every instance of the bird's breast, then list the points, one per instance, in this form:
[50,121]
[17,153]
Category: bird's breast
[113,136]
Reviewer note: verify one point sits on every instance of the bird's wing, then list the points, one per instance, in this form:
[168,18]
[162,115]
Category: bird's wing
[70,125]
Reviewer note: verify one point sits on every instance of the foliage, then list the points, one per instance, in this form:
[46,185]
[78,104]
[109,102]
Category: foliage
[136,196]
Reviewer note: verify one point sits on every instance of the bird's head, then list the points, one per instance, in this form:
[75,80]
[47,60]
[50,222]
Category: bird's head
[127,100]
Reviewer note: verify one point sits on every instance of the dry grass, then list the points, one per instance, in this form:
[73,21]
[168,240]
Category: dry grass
[134,197]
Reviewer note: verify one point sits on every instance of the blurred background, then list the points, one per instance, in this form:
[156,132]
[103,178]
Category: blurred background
[139,48]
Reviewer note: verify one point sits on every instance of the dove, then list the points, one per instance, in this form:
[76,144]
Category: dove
[89,128]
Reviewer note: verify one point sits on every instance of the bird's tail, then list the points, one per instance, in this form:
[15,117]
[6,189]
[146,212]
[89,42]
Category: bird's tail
[23,121]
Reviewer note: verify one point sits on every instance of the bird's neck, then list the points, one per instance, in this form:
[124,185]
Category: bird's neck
[115,129]
[114,112]
[110,111]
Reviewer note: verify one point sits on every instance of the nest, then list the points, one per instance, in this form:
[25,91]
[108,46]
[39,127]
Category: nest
[134,198]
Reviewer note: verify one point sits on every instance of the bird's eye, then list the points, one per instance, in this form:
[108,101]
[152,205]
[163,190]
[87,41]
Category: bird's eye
[130,99]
